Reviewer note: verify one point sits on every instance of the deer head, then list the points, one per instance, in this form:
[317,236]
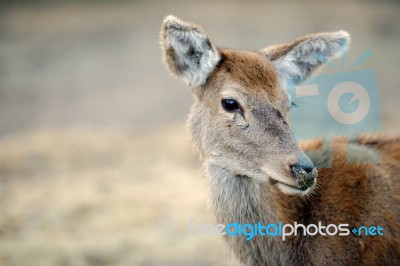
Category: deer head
[239,120]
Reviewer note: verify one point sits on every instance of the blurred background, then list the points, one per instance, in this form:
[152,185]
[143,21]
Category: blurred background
[95,166]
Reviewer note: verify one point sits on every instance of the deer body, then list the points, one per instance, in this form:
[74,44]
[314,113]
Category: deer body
[257,171]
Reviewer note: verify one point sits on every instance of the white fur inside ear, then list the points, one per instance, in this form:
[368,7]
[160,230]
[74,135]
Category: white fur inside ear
[298,64]
[195,56]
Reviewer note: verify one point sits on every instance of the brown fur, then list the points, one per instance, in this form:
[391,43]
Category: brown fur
[358,194]
[258,79]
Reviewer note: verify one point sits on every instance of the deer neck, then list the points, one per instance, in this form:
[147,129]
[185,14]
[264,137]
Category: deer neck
[247,201]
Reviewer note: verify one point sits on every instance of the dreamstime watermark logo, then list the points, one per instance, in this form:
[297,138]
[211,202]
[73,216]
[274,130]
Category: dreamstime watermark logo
[249,231]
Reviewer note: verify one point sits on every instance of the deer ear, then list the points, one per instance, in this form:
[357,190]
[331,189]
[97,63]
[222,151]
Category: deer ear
[187,51]
[296,61]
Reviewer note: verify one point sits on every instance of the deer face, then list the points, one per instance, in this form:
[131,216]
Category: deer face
[240,117]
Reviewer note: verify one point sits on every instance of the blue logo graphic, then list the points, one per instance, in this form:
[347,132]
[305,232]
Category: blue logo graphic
[337,104]
[344,103]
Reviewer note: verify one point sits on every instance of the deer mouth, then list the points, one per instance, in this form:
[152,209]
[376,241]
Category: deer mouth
[292,189]
[289,182]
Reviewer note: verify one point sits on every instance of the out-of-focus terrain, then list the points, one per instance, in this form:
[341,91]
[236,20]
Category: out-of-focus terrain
[95,167]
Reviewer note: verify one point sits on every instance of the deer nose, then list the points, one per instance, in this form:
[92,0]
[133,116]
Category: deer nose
[304,172]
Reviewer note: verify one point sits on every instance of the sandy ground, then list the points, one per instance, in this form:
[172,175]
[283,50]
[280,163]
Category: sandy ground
[95,168]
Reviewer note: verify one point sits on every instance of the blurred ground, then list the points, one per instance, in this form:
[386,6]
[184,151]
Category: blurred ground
[95,168]
[86,197]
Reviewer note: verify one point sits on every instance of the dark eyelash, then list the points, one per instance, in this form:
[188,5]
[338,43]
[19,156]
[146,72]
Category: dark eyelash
[279,114]
[293,104]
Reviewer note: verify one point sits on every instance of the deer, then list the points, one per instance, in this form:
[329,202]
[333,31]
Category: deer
[257,171]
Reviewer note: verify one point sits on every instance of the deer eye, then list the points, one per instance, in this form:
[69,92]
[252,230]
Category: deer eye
[230,105]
